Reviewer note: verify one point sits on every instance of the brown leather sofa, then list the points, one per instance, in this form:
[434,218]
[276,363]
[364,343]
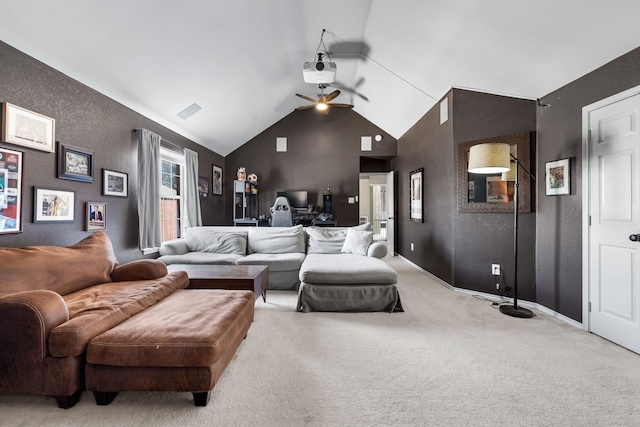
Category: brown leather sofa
[55,300]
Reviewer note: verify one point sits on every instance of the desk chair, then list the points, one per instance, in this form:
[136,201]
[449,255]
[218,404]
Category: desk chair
[281,215]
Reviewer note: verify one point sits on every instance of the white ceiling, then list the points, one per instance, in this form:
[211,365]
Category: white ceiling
[241,60]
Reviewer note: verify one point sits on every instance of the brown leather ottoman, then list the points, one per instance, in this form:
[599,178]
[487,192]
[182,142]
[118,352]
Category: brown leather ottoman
[182,343]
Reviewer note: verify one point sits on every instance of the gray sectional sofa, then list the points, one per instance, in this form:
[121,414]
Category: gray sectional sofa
[333,268]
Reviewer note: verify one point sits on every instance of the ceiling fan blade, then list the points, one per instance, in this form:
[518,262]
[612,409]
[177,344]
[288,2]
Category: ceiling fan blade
[307,98]
[305,107]
[350,90]
[332,95]
[341,105]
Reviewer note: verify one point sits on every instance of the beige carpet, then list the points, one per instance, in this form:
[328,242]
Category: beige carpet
[449,359]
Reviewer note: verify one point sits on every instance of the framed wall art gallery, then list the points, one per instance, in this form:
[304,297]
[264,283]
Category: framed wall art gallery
[416,192]
[10,191]
[75,163]
[27,128]
[557,178]
[53,205]
[114,183]
[203,188]
[217,180]
[96,216]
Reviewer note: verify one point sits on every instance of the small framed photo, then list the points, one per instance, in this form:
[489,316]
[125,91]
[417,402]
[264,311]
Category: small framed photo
[28,129]
[53,205]
[203,188]
[75,163]
[415,195]
[96,216]
[10,191]
[558,177]
[217,180]
[114,183]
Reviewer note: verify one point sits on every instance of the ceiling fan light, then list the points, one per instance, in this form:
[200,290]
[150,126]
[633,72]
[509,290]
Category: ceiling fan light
[321,106]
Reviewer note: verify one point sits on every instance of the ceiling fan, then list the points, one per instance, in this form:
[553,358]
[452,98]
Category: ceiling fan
[322,103]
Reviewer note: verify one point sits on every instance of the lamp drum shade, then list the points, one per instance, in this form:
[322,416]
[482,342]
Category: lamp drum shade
[510,175]
[489,158]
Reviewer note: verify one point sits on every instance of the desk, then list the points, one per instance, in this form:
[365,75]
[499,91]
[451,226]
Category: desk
[328,223]
[251,222]
[305,219]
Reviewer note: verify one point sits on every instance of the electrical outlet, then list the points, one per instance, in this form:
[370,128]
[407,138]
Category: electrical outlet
[412,246]
[495,269]
[497,286]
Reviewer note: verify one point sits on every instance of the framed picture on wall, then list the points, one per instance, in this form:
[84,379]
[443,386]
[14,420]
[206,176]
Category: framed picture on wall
[53,205]
[217,180]
[23,127]
[558,177]
[114,183]
[96,218]
[10,191]
[203,188]
[415,196]
[75,163]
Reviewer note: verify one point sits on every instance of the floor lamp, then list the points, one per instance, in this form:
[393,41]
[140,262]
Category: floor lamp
[492,158]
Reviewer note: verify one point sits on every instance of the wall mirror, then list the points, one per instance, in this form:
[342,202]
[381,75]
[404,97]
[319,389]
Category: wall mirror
[489,193]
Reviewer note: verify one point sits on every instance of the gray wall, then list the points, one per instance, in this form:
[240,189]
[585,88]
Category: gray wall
[481,239]
[459,247]
[428,145]
[87,119]
[322,150]
[559,239]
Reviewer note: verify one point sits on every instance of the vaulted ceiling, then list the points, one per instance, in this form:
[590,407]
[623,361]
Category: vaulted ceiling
[241,60]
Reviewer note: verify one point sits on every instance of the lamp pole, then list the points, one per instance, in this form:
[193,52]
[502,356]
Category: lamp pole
[514,310]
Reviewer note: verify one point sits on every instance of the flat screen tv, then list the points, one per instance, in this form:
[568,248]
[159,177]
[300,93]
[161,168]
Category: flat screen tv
[297,199]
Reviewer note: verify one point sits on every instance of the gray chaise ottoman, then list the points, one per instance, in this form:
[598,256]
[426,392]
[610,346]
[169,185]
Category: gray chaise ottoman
[347,282]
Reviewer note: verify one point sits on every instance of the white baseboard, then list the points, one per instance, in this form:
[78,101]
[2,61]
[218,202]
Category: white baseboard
[491,297]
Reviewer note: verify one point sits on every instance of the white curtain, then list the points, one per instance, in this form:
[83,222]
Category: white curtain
[150,235]
[192,215]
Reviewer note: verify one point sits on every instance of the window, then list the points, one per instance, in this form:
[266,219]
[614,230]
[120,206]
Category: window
[171,194]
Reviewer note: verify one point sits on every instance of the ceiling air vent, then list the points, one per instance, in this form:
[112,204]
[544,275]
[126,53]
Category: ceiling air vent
[189,111]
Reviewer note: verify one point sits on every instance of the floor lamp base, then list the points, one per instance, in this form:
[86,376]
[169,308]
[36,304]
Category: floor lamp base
[512,311]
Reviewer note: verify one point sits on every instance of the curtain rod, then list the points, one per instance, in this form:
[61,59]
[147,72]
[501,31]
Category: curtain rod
[165,140]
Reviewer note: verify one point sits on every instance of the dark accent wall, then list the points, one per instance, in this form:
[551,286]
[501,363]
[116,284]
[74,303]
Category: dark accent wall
[481,239]
[87,119]
[559,240]
[459,247]
[428,145]
[321,151]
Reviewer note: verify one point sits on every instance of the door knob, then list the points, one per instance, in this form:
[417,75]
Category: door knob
[634,237]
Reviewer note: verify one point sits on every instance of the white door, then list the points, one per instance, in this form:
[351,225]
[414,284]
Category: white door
[391,222]
[614,234]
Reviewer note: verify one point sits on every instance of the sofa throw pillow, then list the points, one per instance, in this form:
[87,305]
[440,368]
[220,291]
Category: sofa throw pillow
[357,242]
[276,240]
[329,240]
[325,240]
[202,240]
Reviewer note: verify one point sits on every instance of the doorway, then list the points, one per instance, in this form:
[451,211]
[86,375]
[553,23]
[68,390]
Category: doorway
[376,206]
[611,219]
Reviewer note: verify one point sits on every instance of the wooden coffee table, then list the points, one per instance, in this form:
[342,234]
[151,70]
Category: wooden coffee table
[245,277]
